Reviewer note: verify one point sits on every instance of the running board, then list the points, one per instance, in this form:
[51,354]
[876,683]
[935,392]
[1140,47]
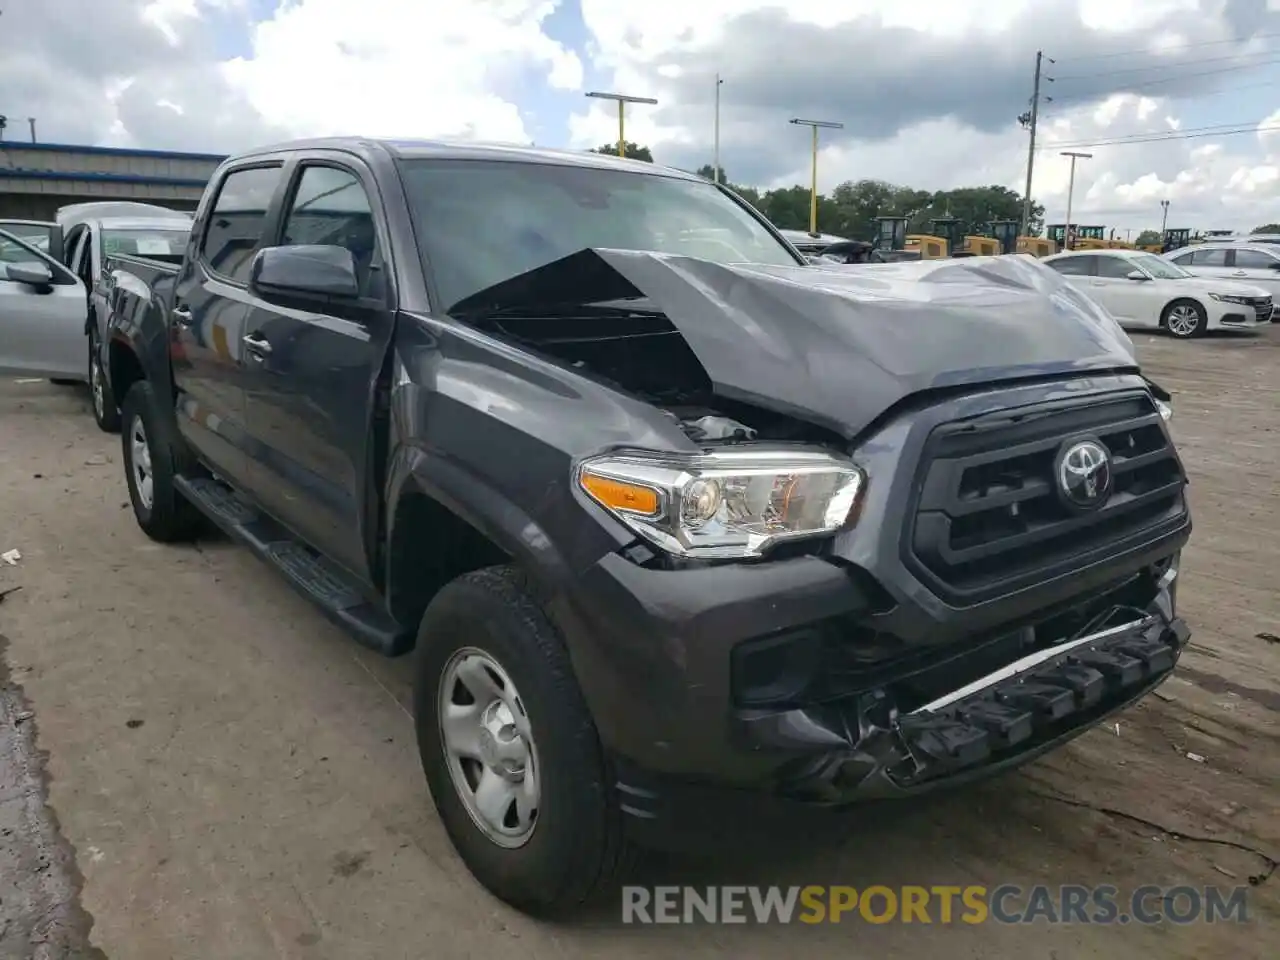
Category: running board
[324,584]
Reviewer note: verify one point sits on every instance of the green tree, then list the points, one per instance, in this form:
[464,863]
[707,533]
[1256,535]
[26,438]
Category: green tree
[1149,236]
[707,171]
[976,207]
[788,209]
[855,205]
[1268,228]
[634,151]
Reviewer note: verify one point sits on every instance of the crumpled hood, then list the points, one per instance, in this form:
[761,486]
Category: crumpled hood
[841,344]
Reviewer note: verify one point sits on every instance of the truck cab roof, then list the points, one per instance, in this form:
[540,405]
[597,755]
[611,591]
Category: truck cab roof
[399,149]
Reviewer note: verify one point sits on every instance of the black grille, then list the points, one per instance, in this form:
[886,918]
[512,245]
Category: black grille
[989,518]
[1262,307]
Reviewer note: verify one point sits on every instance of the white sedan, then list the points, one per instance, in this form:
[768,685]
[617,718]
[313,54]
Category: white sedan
[1143,290]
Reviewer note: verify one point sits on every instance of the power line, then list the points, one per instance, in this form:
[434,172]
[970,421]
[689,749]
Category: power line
[1198,97]
[1181,46]
[1161,137]
[1168,66]
[1151,83]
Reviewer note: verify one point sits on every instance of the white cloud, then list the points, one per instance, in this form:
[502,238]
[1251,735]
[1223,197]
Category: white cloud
[401,67]
[924,73]
[928,93]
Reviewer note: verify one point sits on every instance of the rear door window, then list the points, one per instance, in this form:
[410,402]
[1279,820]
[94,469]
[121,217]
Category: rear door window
[1074,266]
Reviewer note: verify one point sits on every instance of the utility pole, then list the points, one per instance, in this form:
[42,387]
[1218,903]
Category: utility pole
[1164,218]
[622,100]
[1071,189]
[1030,119]
[715,164]
[814,125]
[31,122]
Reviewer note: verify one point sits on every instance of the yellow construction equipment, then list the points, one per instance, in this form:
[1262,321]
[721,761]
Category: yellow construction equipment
[929,248]
[981,246]
[1036,246]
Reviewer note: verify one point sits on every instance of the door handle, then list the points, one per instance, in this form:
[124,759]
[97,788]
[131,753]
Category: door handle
[257,345]
[1239,273]
[183,316]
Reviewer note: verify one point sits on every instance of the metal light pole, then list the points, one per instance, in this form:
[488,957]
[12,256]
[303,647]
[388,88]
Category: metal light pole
[1164,218]
[621,100]
[715,165]
[1071,187]
[814,125]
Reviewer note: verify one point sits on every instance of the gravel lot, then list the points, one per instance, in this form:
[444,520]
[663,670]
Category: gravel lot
[194,764]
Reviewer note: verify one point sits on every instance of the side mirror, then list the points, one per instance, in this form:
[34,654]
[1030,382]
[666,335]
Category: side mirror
[35,274]
[315,270]
[1136,275]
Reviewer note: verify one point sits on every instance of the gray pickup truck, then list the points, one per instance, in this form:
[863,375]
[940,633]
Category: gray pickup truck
[672,517]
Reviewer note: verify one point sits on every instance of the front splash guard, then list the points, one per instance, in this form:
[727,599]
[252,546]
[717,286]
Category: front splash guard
[864,748]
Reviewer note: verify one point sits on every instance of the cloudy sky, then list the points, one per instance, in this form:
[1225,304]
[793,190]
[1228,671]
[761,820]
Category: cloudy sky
[1176,99]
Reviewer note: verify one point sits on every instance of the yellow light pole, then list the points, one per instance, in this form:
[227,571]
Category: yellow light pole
[622,99]
[813,190]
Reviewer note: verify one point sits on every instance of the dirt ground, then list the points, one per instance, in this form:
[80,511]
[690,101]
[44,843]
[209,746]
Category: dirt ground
[221,774]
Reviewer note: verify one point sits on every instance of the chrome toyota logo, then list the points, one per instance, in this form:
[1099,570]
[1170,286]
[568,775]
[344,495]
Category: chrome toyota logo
[1084,474]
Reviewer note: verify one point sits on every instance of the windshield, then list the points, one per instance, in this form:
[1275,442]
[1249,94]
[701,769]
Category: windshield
[1160,268]
[482,222]
[156,243]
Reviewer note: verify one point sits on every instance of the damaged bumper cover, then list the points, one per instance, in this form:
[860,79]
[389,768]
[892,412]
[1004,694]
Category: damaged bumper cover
[1001,720]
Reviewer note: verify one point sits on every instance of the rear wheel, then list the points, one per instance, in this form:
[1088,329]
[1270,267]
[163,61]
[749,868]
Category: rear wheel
[1185,319]
[105,411]
[509,748]
[152,459]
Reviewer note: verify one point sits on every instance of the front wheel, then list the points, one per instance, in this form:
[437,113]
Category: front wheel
[510,751]
[151,460]
[105,411]
[1185,319]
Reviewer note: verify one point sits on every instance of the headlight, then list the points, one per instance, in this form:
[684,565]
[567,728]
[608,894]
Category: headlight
[731,504]
[1166,411]
[1230,298]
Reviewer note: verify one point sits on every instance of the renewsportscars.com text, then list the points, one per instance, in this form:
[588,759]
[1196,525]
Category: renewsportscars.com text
[1004,904]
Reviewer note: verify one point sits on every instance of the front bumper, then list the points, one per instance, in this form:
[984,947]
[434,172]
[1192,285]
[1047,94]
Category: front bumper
[862,749]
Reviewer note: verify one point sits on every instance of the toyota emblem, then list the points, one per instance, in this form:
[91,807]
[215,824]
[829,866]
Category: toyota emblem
[1084,474]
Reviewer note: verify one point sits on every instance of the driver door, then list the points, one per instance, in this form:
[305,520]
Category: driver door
[41,324]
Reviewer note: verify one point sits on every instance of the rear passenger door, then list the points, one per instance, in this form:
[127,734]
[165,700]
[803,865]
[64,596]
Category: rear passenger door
[309,386]
[208,313]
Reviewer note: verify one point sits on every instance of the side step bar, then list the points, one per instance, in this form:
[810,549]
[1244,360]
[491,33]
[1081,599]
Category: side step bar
[325,585]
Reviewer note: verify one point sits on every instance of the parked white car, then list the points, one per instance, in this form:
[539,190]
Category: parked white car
[1248,262]
[1143,290]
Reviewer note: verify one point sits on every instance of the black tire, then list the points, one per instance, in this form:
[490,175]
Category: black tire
[106,412]
[576,849]
[1179,330]
[169,518]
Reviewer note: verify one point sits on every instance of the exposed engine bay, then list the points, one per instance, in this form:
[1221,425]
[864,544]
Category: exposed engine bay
[634,348]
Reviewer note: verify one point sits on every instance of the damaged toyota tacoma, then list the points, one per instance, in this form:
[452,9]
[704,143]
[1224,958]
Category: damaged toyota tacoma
[667,511]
